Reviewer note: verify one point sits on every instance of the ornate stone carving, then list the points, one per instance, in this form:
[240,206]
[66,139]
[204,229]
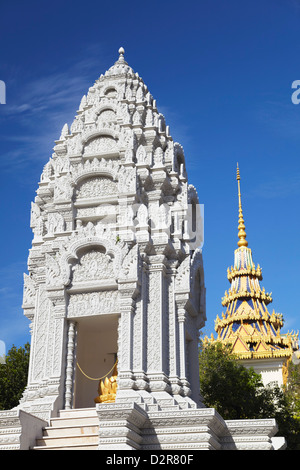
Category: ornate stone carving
[158,157]
[63,189]
[70,367]
[142,216]
[96,166]
[56,223]
[182,279]
[62,165]
[130,264]
[53,271]
[47,171]
[29,292]
[38,360]
[127,180]
[93,265]
[107,115]
[93,303]
[100,145]
[97,186]
[36,221]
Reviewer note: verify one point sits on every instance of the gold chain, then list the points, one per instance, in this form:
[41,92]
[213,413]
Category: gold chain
[100,378]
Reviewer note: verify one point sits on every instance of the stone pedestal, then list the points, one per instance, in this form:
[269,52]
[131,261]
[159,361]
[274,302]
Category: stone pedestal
[120,426]
[142,427]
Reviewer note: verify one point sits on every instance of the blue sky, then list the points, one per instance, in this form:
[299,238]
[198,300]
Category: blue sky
[221,73]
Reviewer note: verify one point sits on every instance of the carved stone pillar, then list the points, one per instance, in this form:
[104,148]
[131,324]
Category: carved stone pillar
[140,334]
[181,314]
[69,384]
[157,347]
[58,301]
[127,307]
[174,336]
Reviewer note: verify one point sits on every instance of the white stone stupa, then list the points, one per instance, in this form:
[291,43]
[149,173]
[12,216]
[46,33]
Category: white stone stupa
[115,290]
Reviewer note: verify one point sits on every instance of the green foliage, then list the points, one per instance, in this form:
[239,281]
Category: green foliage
[238,393]
[291,425]
[228,386]
[13,376]
[293,387]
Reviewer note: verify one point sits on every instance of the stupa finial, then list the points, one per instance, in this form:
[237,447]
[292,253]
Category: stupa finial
[121,54]
[241,234]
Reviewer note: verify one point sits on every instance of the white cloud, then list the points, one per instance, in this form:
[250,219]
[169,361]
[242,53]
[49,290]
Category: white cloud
[277,187]
[280,116]
[36,113]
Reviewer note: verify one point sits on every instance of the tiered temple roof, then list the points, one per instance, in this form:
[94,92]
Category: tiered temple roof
[247,324]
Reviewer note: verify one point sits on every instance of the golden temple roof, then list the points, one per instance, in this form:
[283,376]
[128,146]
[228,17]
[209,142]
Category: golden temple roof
[247,324]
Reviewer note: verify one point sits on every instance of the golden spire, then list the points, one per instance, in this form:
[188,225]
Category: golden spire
[242,234]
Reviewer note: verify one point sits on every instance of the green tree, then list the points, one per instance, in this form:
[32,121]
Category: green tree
[238,393]
[291,424]
[13,376]
[228,386]
[293,387]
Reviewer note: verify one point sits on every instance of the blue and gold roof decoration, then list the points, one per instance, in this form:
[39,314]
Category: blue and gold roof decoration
[247,324]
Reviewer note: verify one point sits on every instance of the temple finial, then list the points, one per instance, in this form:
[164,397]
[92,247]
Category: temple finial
[121,54]
[241,234]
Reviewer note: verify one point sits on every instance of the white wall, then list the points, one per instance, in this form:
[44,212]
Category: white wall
[270,369]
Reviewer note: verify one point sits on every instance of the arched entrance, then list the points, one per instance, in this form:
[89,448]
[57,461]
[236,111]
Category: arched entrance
[96,353]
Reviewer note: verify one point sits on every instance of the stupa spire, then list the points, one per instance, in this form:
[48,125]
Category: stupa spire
[247,325]
[120,67]
[241,234]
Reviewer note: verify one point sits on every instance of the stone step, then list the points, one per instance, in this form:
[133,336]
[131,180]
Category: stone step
[75,417]
[77,413]
[68,447]
[68,440]
[82,421]
[170,407]
[153,407]
[71,430]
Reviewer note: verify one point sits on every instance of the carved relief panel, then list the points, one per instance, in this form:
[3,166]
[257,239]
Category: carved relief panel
[100,145]
[93,286]
[93,303]
[97,186]
[93,265]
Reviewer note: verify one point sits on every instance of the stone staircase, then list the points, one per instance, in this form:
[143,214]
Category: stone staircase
[76,429]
